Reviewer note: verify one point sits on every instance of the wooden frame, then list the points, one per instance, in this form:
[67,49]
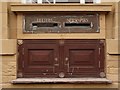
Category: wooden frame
[61,7]
[61,58]
[100,35]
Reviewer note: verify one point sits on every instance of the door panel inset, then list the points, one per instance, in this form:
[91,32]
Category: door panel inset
[41,57]
[84,57]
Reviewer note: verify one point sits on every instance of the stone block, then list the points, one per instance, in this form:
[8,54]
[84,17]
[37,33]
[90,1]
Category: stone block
[9,69]
[112,64]
[112,46]
[8,79]
[9,58]
[113,70]
[113,77]
[8,47]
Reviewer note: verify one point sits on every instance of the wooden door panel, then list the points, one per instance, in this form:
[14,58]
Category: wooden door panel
[39,59]
[83,59]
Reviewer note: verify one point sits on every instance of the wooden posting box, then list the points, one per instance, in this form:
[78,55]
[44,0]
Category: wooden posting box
[57,42]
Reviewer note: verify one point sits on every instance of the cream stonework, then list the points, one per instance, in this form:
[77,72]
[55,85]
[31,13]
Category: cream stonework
[113,71]
[8,46]
[10,32]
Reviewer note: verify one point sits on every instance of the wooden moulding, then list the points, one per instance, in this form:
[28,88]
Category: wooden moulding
[62,80]
[61,7]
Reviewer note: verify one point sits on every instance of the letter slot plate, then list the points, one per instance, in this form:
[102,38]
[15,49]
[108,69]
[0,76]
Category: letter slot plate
[61,23]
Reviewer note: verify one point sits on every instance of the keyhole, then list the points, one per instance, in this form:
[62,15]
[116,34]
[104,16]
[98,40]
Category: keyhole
[56,59]
[66,59]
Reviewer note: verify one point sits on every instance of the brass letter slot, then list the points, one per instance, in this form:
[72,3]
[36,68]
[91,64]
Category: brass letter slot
[78,25]
[45,24]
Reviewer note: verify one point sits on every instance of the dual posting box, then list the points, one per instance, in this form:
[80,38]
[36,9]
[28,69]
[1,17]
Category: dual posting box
[61,23]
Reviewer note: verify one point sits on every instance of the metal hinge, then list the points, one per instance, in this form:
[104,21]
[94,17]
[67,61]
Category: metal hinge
[23,51]
[102,42]
[18,53]
[99,64]
[99,51]
[23,64]
[61,42]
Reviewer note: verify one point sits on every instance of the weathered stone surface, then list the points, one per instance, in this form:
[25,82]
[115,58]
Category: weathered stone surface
[112,46]
[62,80]
[113,57]
[8,79]
[112,77]
[9,58]
[8,47]
[112,64]
[113,70]
[9,69]
[8,85]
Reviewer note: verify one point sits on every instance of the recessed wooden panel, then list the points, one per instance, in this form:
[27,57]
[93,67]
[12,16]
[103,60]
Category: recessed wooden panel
[41,57]
[84,57]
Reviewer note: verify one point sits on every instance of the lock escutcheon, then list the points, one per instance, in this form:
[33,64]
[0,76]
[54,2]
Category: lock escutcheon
[61,75]
[66,59]
[56,59]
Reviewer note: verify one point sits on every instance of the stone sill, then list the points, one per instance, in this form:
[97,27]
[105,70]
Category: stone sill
[61,80]
[61,7]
